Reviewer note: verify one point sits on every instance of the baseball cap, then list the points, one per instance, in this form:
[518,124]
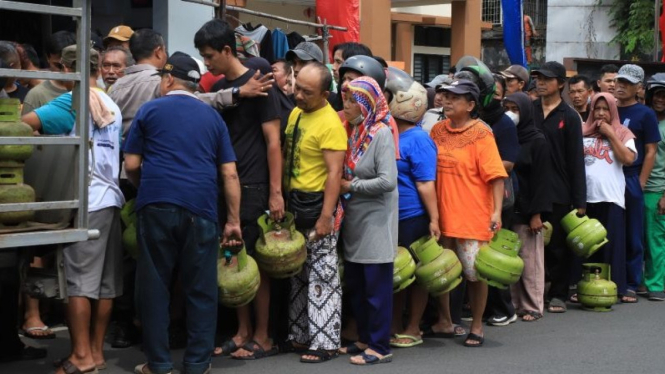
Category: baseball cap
[306,51]
[68,56]
[122,33]
[551,69]
[183,66]
[439,80]
[632,73]
[463,87]
[516,71]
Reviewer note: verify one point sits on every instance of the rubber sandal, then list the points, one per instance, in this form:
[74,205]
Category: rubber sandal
[373,360]
[414,341]
[257,351]
[352,350]
[228,347]
[457,331]
[535,315]
[321,354]
[629,294]
[472,336]
[70,368]
[557,303]
[28,333]
[573,299]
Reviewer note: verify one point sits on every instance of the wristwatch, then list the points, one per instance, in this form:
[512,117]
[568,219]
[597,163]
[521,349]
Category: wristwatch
[235,94]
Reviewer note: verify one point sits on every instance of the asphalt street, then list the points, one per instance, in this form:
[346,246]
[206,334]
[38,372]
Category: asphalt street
[630,339]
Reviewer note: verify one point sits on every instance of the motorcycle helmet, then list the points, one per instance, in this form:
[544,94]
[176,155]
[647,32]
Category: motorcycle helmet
[656,82]
[408,98]
[367,66]
[471,68]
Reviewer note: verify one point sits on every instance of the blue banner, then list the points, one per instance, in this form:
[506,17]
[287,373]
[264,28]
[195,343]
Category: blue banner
[513,31]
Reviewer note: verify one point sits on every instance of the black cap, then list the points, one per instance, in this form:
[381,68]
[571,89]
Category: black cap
[183,66]
[551,69]
[463,87]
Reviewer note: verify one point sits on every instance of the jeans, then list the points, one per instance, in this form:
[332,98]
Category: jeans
[170,236]
[634,230]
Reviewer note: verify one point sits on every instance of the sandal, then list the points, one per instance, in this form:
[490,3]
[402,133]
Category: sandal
[534,315]
[28,333]
[414,341]
[373,360]
[290,346]
[351,349]
[321,354]
[473,337]
[557,306]
[228,347]
[59,362]
[457,331]
[630,297]
[70,368]
[257,351]
[573,298]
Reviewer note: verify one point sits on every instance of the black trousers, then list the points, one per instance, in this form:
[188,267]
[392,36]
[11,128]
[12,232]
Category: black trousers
[10,344]
[558,258]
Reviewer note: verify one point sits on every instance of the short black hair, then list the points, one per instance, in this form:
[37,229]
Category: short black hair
[452,70]
[500,79]
[325,76]
[216,34]
[381,61]
[129,59]
[58,41]
[31,54]
[609,68]
[351,49]
[580,78]
[143,43]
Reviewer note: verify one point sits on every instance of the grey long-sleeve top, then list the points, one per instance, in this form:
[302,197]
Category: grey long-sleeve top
[371,214]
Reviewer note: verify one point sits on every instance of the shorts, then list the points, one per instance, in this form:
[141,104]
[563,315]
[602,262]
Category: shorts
[253,204]
[467,250]
[94,268]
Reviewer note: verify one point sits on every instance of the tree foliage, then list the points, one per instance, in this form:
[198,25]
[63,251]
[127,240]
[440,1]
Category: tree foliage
[634,22]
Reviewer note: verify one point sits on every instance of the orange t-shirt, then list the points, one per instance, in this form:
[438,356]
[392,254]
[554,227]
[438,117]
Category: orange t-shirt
[467,161]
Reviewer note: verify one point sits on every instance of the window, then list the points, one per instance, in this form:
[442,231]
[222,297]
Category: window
[492,12]
[536,9]
[426,67]
[432,36]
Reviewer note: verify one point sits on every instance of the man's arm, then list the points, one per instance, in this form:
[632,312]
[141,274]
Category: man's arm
[650,150]
[232,234]
[133,168]
[271,135]
[334,161]
[255,87]
[33,120]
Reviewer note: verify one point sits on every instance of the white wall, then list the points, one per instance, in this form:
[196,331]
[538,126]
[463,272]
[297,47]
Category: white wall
[579,28]
[429,10]
[178,21]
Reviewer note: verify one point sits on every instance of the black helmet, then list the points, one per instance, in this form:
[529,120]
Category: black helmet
[657,81]
[471,68]
[367,66]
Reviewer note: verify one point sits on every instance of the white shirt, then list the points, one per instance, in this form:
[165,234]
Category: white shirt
[605,181]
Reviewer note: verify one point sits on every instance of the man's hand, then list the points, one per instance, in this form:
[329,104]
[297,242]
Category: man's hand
[661,205]
[276,205]
[232,235]
[434,230]
[536,223]
[257,85]
[323,227]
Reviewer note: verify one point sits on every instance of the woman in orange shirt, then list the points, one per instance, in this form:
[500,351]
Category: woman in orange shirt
[469,185]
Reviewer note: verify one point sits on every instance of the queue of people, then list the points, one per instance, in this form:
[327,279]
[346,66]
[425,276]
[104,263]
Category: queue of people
[365,164]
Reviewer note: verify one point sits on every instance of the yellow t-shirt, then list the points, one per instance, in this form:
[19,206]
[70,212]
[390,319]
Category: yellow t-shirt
[317,131]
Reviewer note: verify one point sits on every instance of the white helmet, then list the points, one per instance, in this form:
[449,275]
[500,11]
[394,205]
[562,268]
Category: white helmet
[409,98]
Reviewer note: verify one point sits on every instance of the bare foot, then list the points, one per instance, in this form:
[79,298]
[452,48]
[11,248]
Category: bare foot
[237,339]
[242,352]
[34,326]
[359,360]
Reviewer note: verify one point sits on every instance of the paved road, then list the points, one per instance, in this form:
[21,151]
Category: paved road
[628,340]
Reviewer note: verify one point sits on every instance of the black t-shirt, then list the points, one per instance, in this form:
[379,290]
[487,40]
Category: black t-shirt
[244,122]
[19,93]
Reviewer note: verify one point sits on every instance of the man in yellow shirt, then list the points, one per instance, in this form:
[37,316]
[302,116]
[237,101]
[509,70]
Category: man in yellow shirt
[316,143]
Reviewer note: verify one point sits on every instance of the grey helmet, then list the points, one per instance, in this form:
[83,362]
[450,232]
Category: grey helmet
[656,82]
[367,66]
[408,98]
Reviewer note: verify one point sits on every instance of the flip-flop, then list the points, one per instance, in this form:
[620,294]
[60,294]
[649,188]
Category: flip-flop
[457,331]
[557,303]
[257,351]
[352,350]
[632,295]
[70,368]
[535,315]
[373,360]
[472,336]
[321,354]
[414,341]
[28,333]
[58,363]
[228,347]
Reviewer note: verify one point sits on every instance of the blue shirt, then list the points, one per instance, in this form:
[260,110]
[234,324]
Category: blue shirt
[417,163]
[57,116]
[642,121]
[183,141]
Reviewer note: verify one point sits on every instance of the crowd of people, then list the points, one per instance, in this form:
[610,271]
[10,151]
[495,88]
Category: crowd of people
[367,159]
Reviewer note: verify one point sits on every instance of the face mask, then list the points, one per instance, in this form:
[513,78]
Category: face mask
[513,116]
[358,120]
